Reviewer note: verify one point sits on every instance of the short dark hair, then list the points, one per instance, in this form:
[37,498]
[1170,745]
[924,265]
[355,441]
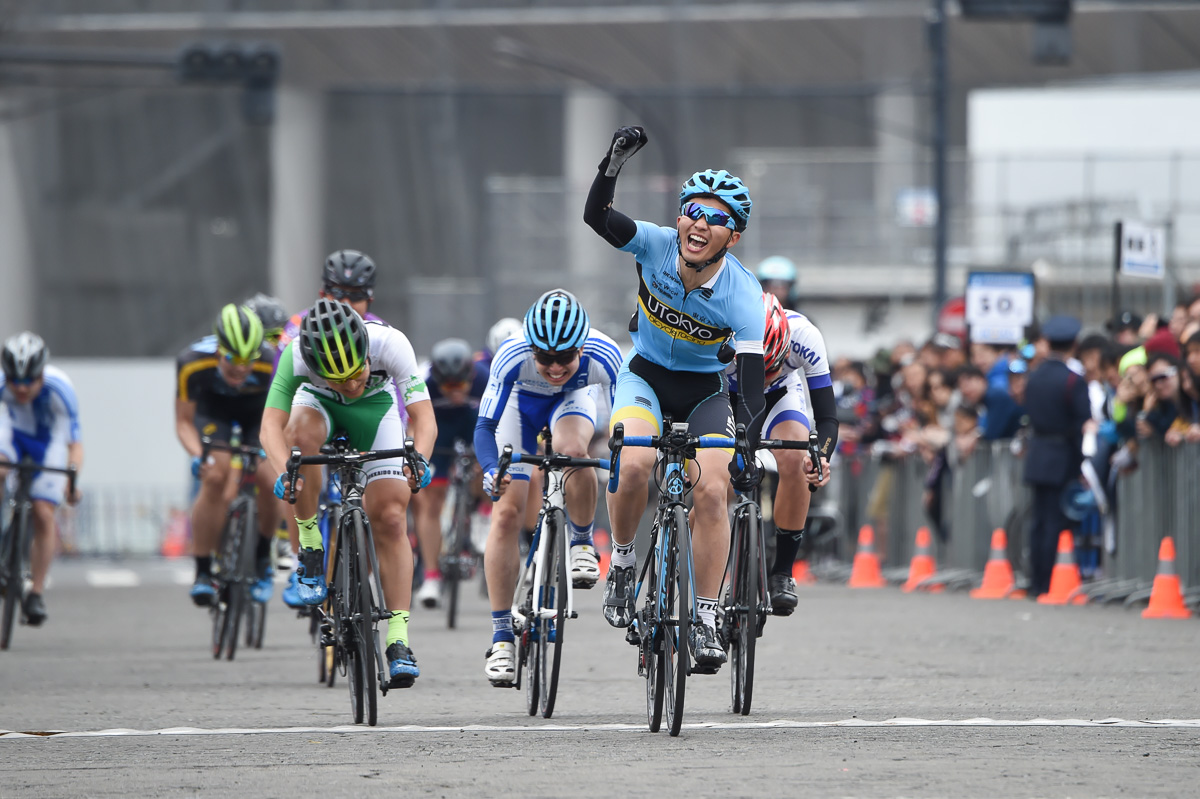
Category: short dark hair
[970,371]
[1193,340]
[1093,342]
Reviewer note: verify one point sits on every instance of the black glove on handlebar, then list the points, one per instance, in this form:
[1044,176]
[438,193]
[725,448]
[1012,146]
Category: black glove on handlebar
[625,142]
[747,478]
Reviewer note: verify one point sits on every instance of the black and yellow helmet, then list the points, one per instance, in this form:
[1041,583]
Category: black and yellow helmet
[239,332]
[333,340]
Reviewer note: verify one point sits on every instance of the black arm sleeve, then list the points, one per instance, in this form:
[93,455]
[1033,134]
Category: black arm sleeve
[751,407]
[613,226]
[825,418]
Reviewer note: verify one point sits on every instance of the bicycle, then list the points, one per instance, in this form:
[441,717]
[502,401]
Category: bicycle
[329,509]
[16,539]
[353,608]
[544,597]
[236,565]
[662,628]
[747,603]
[460,558]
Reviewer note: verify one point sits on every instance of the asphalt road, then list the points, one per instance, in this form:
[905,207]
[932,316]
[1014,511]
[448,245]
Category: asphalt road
[861,693]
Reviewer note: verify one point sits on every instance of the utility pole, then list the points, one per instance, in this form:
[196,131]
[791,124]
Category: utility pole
[937,46]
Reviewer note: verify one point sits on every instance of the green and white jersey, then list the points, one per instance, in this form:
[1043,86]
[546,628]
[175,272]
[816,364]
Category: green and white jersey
[392,361]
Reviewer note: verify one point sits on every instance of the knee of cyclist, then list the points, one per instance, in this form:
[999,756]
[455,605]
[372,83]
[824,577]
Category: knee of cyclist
[214,476]
[43,513]
[789,463]
[635,472]
[709,496]
[390,520]
[505,520]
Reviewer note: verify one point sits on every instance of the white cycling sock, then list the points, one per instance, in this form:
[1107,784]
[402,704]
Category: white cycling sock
[706,609]
[623,555]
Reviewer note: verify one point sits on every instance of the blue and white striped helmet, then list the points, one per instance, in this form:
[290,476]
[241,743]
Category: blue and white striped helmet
[557,322]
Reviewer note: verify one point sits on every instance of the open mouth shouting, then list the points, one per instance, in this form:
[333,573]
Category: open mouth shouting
[696,243]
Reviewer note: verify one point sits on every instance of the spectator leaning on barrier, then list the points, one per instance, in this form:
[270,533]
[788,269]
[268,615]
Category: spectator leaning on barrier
[1187,425]
[1001,414]
[1161,407]
[1057,403]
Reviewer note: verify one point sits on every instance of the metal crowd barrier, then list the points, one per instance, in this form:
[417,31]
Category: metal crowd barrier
[986,492]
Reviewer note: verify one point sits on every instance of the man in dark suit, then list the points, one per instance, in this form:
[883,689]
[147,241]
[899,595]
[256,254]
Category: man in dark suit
[1057,404]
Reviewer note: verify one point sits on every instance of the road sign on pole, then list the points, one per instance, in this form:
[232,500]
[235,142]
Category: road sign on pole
[999,306]
[1142,250]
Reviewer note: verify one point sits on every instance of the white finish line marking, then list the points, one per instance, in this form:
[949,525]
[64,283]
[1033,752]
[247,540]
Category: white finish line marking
[749,725]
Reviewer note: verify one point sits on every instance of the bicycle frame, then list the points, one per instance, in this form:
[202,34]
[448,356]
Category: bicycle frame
[534,570]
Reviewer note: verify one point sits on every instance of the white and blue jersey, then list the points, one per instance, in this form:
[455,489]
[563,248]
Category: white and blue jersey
[518,402]
[683,330]
[806,366]
[41,430]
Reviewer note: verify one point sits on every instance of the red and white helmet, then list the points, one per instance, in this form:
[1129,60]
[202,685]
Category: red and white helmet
[777,335]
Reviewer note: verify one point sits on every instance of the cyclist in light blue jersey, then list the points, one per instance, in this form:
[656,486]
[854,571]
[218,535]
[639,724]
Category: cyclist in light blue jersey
[693,297]
[39,418]
[549,377]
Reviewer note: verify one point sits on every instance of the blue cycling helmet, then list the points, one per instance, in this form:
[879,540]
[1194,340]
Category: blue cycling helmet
[725,187]
[777,267]
[557,322]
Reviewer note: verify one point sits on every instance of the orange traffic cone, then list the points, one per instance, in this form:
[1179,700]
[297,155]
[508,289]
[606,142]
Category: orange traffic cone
[998,582]
[802,574]
[865,572]
[603,550]
[922,565]
[1064,580]
[1166,598]
[175,540]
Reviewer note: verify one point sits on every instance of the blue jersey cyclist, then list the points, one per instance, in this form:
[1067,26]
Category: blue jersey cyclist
[456,383]
[693,297]
[39,418]
[550,377]
[797,371]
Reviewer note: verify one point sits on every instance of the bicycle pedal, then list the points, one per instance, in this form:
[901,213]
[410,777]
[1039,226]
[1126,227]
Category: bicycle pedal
[632,636]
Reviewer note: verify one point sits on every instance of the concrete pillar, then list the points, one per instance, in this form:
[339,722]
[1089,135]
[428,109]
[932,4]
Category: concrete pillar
[297,196]
[16,254]
[589,119]
[897,119]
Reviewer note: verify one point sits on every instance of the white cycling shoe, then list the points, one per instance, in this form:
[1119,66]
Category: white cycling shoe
[429,595]
[501,665]
[585,568]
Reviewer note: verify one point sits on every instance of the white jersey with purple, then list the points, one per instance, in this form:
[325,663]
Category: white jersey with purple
[42,429]
[518,402]
[804,368]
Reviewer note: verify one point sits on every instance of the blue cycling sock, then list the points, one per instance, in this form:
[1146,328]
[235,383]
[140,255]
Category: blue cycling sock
[502,628]
[580,534]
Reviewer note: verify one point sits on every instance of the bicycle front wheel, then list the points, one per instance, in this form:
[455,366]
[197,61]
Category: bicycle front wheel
[453,567]
[677,608]
[363,617]
[553,600]
[743,631]
[13,578]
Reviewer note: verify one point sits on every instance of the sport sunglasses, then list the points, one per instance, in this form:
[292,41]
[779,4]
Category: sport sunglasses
[711,215]
[353,295]
[550,358]
[230,358]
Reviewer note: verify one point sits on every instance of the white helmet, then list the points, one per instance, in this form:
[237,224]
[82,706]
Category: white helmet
[24,357]
[502,331]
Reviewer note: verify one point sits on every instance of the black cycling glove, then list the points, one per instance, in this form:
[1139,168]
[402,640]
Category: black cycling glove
[744,479]
[625,142]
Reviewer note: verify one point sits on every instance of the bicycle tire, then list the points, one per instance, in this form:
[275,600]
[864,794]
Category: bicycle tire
[528,649]
[453,575]
[364,620]
[650,630]
[226,564]
[343,613]
[257,627]
[747,606]
[243,573]
[675,642]
[554,592]
[13,578]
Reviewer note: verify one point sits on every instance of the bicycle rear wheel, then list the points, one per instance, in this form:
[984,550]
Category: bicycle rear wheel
[256,624]
[342,593]
[554,596]
[675,653]
[743,632]
[13,578]
[363,621]
[454,570]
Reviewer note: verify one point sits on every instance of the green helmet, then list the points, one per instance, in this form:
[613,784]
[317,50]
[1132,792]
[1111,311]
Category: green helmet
[239,332]
[333,340]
